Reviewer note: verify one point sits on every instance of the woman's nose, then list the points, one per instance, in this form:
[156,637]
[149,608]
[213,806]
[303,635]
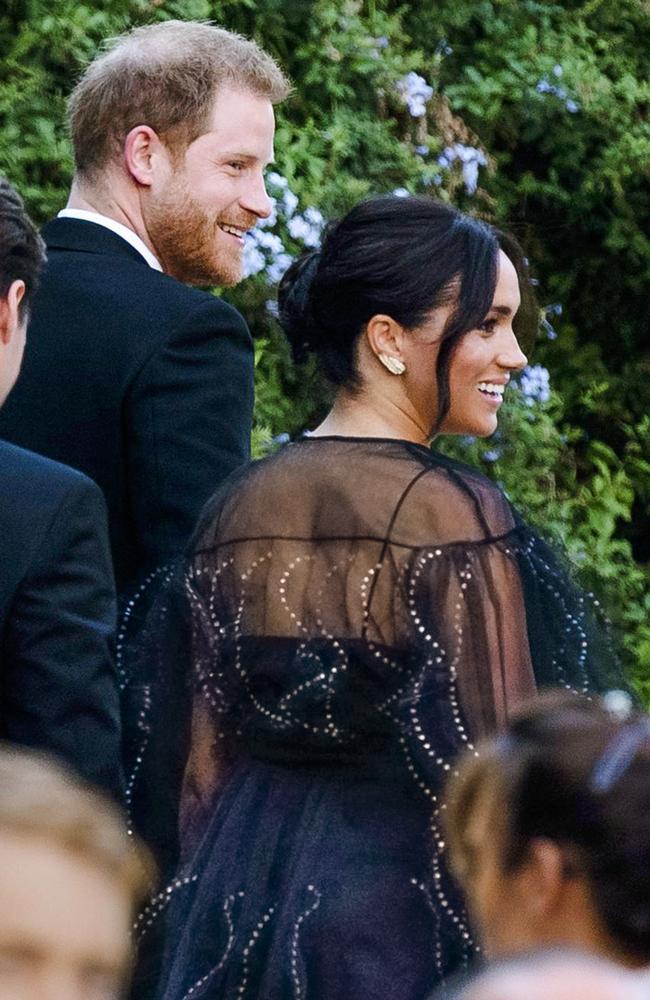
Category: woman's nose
[511,356]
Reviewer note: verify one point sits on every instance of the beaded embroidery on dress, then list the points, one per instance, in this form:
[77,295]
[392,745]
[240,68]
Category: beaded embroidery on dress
[351,613]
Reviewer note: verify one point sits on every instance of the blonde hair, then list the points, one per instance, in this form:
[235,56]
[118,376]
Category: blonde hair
[39,798]
[165,76]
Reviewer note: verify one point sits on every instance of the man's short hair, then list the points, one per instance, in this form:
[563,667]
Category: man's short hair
[22,251]
[41,799]
[165,76]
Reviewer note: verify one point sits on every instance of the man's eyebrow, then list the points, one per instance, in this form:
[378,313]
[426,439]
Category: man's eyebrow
[235,154]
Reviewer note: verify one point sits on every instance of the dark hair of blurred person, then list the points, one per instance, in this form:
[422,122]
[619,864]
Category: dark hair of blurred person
[71,879]
[550,975]
[549,829]
[22,255]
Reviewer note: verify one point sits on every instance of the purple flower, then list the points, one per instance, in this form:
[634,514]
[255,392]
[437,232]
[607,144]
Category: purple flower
[535,384]
[493,455]
[554,309]
[544,87]
[470,158]
[277,267]
[415,92]
[254,260]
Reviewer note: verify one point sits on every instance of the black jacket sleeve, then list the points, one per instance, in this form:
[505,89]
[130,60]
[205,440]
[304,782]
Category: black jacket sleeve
[190,416]
[60,685]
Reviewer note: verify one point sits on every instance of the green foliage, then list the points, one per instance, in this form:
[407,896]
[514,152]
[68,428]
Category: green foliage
[554,96]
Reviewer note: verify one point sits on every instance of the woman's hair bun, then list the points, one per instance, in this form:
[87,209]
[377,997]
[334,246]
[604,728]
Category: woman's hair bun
[295,303]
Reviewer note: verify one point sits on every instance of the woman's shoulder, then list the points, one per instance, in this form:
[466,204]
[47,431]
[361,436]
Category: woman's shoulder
[451,502]
[320,487]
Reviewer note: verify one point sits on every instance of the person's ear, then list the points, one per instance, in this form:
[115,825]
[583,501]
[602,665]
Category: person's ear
[10,311]
[542,878]
[385,337]
[144,154]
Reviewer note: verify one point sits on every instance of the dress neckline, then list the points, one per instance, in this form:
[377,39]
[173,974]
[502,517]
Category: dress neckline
[362,440]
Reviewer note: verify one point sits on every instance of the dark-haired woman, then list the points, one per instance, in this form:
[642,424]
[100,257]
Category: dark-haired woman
[360,609]
[549,831]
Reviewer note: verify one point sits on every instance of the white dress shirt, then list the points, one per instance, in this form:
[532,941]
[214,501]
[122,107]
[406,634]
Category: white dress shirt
[115,227]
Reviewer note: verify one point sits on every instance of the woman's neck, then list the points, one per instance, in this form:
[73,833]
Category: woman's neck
[357,416]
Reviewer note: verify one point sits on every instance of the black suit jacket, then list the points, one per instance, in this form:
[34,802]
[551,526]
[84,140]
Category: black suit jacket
[57,617]
[142,383]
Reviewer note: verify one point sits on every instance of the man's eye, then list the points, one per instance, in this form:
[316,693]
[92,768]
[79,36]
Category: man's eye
[237,165]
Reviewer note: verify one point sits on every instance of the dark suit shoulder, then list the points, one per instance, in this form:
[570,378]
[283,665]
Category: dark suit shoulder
[32,491]
[25,475]
[99,265]
[35,493]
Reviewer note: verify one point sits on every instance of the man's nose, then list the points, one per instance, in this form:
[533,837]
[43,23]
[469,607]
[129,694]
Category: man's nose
[256,200]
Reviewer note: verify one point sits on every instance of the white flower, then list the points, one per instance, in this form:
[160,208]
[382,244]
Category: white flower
[289,202]
[314,216]
[277,180]
[415,92]
[471,159]
[300,229]
[254,259]
[277,267]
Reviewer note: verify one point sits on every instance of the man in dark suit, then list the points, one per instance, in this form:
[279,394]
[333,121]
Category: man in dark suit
[57,598]
[141,382]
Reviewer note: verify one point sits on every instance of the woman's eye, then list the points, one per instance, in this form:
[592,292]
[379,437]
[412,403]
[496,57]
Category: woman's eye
[488,326]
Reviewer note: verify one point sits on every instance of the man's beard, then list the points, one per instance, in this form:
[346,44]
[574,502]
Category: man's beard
[186,241]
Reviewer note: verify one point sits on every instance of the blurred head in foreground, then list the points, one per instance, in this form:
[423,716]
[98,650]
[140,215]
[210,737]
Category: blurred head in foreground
[70,880]
[549,830]
[552,976]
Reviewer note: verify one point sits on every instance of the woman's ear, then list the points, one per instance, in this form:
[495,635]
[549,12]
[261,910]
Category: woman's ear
[385,336]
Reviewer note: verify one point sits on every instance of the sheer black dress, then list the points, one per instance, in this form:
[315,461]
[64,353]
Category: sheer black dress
[359,610]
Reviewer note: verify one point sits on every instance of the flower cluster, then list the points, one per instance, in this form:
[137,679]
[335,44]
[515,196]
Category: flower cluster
[535,384]
[544,86]
[470,159]
[265,250]
[415,92]
[555,309]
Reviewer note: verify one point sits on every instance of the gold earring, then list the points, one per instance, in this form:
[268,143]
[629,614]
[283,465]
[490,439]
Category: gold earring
[394,365]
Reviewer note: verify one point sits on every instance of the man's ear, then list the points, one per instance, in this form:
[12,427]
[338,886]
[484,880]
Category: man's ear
[143,152]
[385,336]
[9,311]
